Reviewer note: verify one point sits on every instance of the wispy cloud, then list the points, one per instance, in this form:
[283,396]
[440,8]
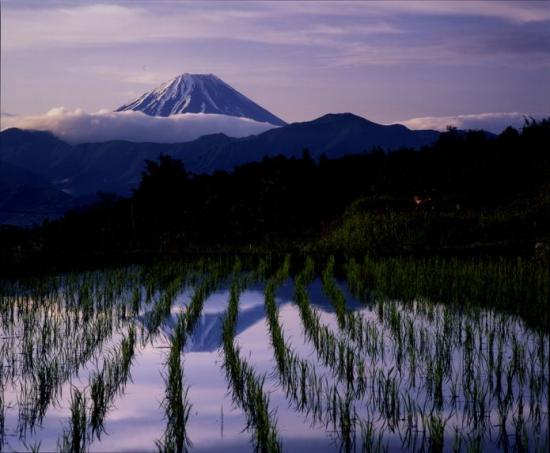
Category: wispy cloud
[514,11]
[101,24]
[77,126]
[350,32]
[492,122]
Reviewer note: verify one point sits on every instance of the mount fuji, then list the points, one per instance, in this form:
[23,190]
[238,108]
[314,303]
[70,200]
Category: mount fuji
[199,93]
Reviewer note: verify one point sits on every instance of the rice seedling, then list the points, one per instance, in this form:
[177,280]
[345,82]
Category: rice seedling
[74,438]
[107,384]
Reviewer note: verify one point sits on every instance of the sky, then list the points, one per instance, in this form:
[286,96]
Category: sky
[391,61]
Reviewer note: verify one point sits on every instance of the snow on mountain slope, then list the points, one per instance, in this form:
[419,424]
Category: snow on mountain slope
[199,93]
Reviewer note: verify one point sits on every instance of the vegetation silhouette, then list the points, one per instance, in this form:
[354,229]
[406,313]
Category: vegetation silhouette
[467,193]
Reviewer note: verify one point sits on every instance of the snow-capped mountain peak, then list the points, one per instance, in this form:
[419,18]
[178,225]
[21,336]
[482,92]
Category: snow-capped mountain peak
[199,93]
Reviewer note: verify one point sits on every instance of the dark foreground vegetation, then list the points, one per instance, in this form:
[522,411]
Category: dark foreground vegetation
[468,194]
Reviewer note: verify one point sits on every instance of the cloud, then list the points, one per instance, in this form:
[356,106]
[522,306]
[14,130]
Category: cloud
[290,23]
[349,33]
[103,24]
[77,126]
[492,122]
[514,11]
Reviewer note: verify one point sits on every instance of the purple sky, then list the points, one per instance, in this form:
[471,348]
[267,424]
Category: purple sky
[387,61]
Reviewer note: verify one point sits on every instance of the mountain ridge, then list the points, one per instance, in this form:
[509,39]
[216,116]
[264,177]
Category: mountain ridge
[115,166]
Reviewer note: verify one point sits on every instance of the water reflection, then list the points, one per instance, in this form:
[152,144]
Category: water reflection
[409,366]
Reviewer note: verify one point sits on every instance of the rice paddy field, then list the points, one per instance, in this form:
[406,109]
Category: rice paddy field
[286,354]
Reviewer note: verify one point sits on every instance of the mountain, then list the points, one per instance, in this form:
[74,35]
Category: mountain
[334,135]
[116,165]
[36,151]
[26,197]
[80,171]
[199,93]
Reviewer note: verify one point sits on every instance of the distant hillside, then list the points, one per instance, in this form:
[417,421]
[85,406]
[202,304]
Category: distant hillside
[334,135]
[116,166]
[26,197]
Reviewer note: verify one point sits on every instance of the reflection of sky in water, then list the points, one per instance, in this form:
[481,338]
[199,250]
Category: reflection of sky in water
[136,420]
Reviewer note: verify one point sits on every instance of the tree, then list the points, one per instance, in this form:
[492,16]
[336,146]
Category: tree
[163,189]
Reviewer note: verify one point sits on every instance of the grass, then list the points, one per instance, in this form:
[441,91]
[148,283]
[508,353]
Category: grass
[74,438]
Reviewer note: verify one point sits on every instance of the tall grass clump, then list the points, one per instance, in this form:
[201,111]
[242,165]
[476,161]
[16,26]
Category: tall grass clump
[74,438]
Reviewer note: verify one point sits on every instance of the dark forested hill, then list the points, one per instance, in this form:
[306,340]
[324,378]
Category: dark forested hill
[116,166]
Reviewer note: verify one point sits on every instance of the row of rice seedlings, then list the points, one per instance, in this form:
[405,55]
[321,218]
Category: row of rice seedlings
[334,293]
[371,438]
[297,376]
[272,313]
[163,305]
[337,353]
[110,381]
[205,279]
[246,386]
[336,405]
[307,392]
[176,403]
[357,329]
[194,310]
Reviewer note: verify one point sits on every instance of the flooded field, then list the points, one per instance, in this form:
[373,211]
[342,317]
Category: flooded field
[211,357]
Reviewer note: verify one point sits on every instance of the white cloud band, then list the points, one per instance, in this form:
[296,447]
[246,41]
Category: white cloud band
[77,126]
[492,122]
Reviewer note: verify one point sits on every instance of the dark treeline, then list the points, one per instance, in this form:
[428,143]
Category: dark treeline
[467,191]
